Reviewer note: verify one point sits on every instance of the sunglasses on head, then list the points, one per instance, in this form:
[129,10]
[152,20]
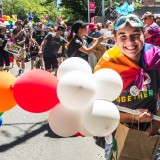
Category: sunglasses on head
[132,19]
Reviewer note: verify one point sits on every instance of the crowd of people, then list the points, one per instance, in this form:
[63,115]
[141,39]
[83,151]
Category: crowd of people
[135,39]
[46,48]
[49,47]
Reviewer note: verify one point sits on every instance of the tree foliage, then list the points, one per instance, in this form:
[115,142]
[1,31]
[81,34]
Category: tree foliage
[78,9]
[36,7]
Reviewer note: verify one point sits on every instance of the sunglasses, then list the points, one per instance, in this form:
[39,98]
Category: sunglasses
[132,19]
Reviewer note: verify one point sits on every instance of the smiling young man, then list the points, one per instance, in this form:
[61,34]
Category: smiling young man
[130,41]
[138,65]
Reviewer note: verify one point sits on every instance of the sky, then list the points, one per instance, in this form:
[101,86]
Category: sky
[58,1]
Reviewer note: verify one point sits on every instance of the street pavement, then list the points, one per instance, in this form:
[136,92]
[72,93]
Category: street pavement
[27,136]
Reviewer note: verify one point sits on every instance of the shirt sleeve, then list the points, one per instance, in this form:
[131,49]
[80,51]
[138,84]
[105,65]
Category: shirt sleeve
[14,32]
[89,39]
[153,30]
[48,37]
[63,41]
[78,44]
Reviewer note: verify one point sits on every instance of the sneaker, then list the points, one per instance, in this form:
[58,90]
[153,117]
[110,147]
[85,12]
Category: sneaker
[20,72]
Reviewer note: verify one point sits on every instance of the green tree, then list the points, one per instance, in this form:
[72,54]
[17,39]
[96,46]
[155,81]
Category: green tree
[36,7]
[78,9]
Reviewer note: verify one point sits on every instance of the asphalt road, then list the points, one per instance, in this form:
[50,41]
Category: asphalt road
[27,136]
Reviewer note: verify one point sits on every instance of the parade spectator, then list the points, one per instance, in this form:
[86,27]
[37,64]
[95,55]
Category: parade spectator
[28,36]
[158,20]
[79,41]
[61,54]
[95,33]
[33,49]
[39,34]
[50,47]
[4,57]
[18,37]
[152,30]
[130,53]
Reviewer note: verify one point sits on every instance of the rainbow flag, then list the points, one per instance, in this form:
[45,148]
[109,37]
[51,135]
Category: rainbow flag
[128,70]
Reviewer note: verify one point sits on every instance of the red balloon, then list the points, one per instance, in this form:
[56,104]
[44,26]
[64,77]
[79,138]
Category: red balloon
[2,20]
[36,91]
[79,135]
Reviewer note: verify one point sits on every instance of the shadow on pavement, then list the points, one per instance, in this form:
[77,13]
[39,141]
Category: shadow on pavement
[28,135]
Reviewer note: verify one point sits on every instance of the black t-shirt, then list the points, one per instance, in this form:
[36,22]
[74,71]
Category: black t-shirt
[145,99]
[76,43]
[34,50]
[27,40]
[95,34]
[3,41]
[39,35]
[52,45]
[19,38]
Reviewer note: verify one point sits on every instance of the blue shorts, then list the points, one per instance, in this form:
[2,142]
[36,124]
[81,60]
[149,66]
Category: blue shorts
[33,58]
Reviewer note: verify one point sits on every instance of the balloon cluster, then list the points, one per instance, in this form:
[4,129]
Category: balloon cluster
[34,91]
[62,21]
[78,100]
[29,16]
[85,100]
[7,20]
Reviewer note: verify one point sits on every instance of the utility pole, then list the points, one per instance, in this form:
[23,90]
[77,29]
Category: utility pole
[88,12]
[111,3]
[103,10]
[0,8]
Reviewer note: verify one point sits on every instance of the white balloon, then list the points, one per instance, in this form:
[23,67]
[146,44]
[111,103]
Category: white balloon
[83,129]
[63,121]
[101,118]
[85,132]
[73,64]
[109,84]
[76,89]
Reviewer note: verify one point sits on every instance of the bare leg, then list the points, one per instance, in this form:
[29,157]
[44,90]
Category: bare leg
[1,68]
[22,63]
[32,64]
[49,70]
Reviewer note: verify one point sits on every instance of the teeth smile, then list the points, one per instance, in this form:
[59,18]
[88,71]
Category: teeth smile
[131,48]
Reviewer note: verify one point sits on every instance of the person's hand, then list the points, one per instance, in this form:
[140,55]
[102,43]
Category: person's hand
[101,39]
[20,32]
[145,116]
[18,55]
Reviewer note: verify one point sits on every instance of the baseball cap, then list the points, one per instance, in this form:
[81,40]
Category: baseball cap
[92,26]
[77,25]
[147,14]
